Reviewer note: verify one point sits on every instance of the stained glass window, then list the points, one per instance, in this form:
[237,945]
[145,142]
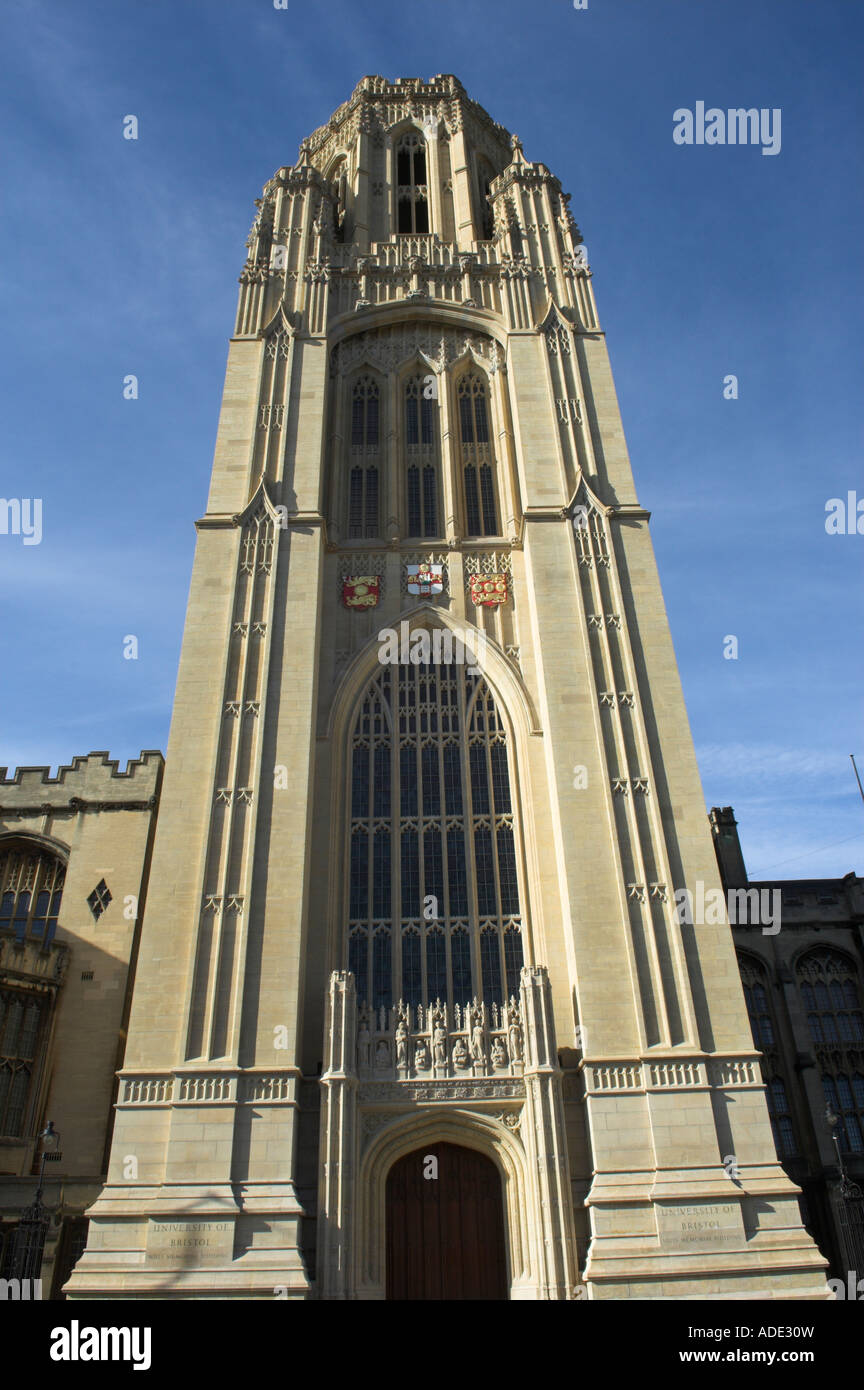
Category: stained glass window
[21,1031]
[412,193]
[364,471]
[31,887]
[448,925]
[831,994]
[422,458]
[478,464]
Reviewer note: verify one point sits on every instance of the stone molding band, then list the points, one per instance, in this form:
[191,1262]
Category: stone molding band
[208,1088]
[672,1074]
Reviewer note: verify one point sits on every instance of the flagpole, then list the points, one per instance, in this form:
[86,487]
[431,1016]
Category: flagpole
[857,778]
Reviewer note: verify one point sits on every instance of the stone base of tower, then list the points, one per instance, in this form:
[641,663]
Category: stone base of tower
[685,1234]
[193,1242]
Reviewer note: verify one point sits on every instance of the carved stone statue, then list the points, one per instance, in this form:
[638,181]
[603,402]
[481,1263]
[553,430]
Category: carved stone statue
[439,1046]
[478,1043]
[401,1044]
[382,1055]
[364,1041]
[499,1054]
[515,1041]
[421,1056]
[460,1053]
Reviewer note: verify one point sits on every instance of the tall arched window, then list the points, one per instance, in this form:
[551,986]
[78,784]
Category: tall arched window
[485,175]
[364,475]
[433,895]
[754,980]
[757,996]
[478,472]
[31,886]
[422,456]
[412,192]
[23,1017]
[831,995]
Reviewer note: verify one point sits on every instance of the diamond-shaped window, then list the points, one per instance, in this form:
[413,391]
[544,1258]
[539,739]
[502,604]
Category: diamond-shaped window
[99,898]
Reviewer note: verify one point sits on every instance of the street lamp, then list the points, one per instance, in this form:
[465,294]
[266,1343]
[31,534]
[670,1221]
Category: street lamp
[849,1189]
[28,1240]
[850,1208]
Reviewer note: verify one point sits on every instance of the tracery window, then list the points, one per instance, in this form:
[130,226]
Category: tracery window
[412,192]
[760,1012]
[22,1019]
[434,909]
[485,175]
[756,998]
[422,457]
[31,887]
[829,989]
[481,516]
[780,1115]
[364,474]
[831,994]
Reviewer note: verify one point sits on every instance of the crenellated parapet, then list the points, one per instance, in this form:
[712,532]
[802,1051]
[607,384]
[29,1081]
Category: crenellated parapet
[412,192]
[90,782]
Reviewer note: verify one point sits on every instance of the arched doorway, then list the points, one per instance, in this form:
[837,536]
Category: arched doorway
[445,1226]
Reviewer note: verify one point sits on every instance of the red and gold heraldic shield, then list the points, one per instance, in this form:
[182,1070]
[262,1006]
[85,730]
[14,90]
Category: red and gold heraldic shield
[361,590]
[489,588]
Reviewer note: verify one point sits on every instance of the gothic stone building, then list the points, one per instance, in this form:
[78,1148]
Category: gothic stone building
[430,789]
[803,987]
[74,859]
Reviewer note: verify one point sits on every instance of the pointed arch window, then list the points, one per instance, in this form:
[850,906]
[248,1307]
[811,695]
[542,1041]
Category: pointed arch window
[434,902]
[478,464]
[364,472]
[23,1018]
[754,979]
[31,888]
[422,477]
[780,1115]
[831,994]
[485,175]
[412,191]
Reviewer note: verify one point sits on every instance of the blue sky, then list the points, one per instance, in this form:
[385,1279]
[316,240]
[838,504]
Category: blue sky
[122,257]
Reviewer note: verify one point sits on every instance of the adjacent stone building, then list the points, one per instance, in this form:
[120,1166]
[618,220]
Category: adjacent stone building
[803,976]
[74,862]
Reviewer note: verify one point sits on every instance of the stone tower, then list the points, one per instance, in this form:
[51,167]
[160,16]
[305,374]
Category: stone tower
[430,790]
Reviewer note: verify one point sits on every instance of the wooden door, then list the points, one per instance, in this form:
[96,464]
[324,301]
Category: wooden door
[445,1234]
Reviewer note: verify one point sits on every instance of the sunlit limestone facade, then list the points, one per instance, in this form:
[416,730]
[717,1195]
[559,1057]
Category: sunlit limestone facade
[430,788]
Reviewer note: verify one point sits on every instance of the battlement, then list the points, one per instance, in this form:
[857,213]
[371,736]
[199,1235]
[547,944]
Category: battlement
[443,95]
[91,778]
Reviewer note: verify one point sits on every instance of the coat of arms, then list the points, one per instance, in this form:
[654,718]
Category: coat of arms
[425,578]
[489,588]
[361,590]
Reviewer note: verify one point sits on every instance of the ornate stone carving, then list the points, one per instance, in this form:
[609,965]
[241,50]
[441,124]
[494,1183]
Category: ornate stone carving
[467,1088]
[388,348]
[407,1039]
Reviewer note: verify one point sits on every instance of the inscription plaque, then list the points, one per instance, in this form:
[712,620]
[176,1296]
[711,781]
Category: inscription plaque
[707,1226]
[190,1242]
